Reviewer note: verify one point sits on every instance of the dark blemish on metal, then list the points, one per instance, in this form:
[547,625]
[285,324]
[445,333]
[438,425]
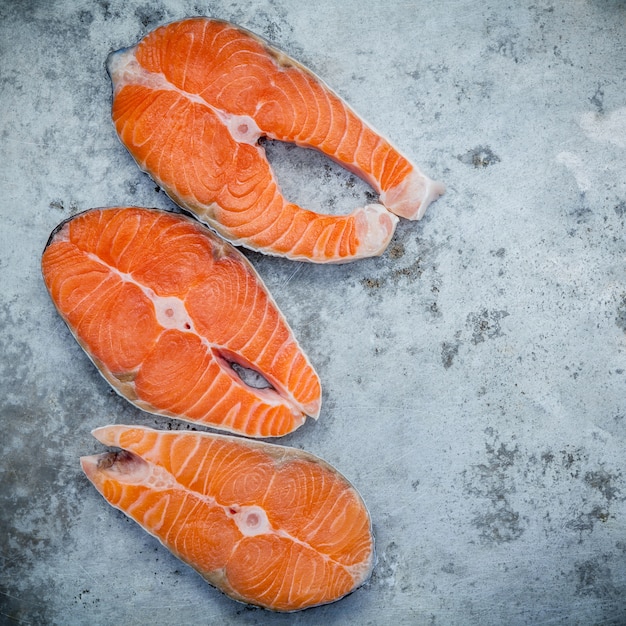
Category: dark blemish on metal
[539,13]
[485,324]
[603,482]
[571,461]
[470,91]
[247,608]
[272,31]
[499,523]
[273,27]
[500,252]
[582,213]
[396,250]
[105,5]
[594,578]
[586,521]
[438,71]
[85,17]
[547,458]
[448,352]
[547,464]
[575,370]
[59,205]
[479,157]
[371,283]
[620,318]
[501,458]
[12,78]
[620,208]
[149,16]
[598,99]
[415,74]
[412,272]
[415,485]
[506,46]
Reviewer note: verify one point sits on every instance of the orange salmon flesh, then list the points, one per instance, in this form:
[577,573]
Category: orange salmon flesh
[168,311]
[192,99]
[268,525]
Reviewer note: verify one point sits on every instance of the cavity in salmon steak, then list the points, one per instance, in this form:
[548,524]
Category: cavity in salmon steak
[192,99]
[170,313]
[267,525]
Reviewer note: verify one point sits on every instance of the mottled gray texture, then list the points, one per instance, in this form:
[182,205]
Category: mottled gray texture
[474,376]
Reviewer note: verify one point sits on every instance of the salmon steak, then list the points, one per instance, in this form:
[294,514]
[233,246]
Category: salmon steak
[176,319]
[268,525]
[191,101]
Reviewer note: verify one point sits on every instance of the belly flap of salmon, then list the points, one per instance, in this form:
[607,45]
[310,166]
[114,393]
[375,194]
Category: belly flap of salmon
[192,99]
[170,313]
[268,525]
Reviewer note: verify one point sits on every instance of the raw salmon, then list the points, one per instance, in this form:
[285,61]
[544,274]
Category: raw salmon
[168,312]
[268,525]
[192,99]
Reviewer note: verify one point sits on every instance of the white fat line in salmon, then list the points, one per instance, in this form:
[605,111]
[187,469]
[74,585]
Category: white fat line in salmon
[128,71]
[130,468]
[171,313]
[124,70]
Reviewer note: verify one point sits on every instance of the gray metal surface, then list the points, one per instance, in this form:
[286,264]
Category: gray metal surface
[474,376]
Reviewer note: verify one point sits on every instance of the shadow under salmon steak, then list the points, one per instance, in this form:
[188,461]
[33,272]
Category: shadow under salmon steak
[267,525]
[169,312]
[192,99]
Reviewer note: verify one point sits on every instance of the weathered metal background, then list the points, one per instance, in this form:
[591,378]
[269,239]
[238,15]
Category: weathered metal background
[474,376]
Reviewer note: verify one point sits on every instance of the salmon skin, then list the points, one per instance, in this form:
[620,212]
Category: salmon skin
[169,312]
[192,99]
[267,525]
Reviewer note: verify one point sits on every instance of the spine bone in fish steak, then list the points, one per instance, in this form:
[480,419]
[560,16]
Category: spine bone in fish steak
[268,525]
[167,310]
[192,99]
